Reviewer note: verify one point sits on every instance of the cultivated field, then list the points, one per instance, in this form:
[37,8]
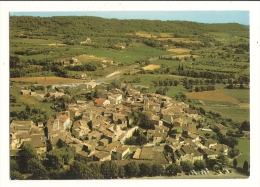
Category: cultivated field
[215,95]
[179,50]
[145,35]
[48,80]
[85,57]
[151,67]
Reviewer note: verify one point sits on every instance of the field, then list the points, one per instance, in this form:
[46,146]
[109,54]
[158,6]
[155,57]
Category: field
[244,147]
[145,34]
[179,50]
[215,95]
[46,80]
[151,67]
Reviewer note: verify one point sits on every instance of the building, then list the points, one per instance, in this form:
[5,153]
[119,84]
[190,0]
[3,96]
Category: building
[102,156]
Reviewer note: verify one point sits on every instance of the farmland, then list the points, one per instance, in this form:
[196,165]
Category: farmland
[215,95]
[46,80]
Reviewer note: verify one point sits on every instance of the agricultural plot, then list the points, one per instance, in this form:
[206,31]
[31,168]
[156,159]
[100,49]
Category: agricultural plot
[179,50]
[46,80]
[244,148]
[215,95]
[151,67]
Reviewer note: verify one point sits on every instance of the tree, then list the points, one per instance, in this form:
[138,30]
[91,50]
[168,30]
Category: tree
[33,164]
[121,171]
[141,139]
[145,169]
[26,153]
[222,159]
[245,126]
[173,169]
[131,169]
[202,111]
[233,152]
[245,167]
[15,175]
[235,162]
[40,174]
[157,170]
[145,121]
[199,164]
[79,170]
[55,160]
[13,165]
[211,163]
[186,166]
[175,82]
[109,169]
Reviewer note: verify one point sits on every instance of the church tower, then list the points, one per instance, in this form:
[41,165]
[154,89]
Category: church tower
[146,103]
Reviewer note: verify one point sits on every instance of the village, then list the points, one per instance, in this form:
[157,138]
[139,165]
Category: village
[98,130]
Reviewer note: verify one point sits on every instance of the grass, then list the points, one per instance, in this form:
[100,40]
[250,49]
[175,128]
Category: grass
[237,114]
[215,95]
[244,147]
[241,95]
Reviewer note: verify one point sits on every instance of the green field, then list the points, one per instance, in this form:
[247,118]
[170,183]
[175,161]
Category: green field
[244,147]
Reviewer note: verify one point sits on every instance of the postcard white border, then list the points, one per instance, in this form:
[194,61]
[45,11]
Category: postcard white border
[32,6]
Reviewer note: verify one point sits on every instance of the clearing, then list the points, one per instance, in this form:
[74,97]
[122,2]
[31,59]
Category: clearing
[151,67]
[215,95]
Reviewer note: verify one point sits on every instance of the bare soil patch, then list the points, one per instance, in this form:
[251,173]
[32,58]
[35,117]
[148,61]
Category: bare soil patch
[215,95]
[151,67]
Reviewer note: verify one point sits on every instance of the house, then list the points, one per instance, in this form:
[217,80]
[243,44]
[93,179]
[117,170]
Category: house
[63,121]
[171,141]
[115,99]
[91,85]
[20,127]
[76,147]
[103,142]
[159,136]
[25,92]
[38,142]
[210,143]
[137,153]
[208,154]
[81,76]
[219,127]
[101,102]
[122,152]
[79,129]
[220,148]
[187,153]
[112,147]
[102,156]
